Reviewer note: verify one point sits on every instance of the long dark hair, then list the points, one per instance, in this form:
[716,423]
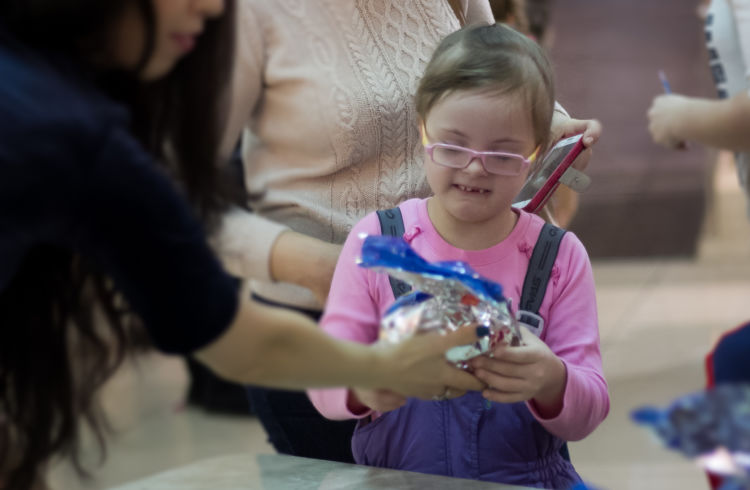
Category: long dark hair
[63,328]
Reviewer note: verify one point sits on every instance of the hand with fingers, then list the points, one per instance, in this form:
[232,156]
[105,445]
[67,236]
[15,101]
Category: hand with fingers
[529,372]
[417,367]
[564,126]
[664,118]
[564,202]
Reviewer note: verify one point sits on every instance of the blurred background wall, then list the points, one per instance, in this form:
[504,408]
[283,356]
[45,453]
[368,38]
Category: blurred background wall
[644,201]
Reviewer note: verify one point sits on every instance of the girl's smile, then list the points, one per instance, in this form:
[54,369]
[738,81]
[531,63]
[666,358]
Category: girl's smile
[471,205]
[471,189]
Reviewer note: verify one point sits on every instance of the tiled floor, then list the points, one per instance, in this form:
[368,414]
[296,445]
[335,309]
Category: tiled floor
[658,318]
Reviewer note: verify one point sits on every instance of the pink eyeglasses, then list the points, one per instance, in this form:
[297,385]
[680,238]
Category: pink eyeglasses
[452,156]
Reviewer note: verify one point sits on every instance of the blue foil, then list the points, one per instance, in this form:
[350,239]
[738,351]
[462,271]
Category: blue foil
[446,296]
[395,256]
[710,426]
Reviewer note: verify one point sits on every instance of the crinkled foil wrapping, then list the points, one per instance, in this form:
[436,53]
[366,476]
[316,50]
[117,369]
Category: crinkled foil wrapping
[445,296]
[711,427]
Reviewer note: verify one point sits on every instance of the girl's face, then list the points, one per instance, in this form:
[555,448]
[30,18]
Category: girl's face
[179,24]
[482,122]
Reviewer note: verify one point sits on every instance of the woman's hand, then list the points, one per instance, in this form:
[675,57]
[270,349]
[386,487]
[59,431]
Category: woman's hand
[527,372]
[664,118]
[417,366]
[270,346]
[565,200]
[305,261]
[564,126]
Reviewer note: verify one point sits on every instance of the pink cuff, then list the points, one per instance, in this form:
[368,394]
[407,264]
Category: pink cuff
[331,403]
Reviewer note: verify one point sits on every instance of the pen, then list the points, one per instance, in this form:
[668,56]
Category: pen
[668,90]
[665,82]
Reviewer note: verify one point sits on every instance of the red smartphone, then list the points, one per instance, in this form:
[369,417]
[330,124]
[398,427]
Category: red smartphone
[547,175]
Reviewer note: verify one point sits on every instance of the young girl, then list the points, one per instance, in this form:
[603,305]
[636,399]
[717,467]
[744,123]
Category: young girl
[93,92]
[485,104]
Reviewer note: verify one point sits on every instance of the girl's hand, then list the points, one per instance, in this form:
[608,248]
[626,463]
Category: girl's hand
[528,372]
[417,366]
[379,400]
[664,117]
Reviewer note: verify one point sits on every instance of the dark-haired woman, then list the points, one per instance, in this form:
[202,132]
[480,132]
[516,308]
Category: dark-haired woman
[93,94]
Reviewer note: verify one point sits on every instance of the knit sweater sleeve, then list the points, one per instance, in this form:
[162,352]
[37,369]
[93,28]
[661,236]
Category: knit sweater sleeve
[478,12]
[245,240]
[572,333]
[352,313]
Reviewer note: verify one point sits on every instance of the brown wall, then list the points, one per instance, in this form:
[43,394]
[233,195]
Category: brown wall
[644,200]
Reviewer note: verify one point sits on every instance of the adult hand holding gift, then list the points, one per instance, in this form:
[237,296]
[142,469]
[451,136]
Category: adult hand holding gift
[449,295]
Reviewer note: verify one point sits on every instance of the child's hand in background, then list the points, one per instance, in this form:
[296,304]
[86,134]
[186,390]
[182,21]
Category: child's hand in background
[664,118]
[527,372]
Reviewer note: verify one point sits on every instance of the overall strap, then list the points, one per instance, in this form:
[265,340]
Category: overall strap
[392,224]
[535,285]
[537,275]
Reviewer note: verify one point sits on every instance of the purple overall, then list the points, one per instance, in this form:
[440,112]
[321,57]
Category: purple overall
[466,437]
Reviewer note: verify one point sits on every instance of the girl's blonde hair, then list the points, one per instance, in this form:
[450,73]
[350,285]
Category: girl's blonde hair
[493,58]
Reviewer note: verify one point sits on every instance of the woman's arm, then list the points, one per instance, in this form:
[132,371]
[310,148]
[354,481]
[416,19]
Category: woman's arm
[249,245]
[304,261]
[139,228]
[564,202]
[277,347]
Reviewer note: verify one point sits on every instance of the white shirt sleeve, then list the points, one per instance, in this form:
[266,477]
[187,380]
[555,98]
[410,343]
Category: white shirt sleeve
[741,10]
[245,240]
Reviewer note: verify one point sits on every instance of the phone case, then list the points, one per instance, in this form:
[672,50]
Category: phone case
[557,163]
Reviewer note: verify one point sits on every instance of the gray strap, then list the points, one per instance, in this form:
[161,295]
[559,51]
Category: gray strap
[392,224]
[535,284]
[537,275]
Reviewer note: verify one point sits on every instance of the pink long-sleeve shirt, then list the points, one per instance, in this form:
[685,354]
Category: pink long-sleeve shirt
[359,297]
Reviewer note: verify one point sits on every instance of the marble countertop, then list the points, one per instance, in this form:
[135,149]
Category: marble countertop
[281,472]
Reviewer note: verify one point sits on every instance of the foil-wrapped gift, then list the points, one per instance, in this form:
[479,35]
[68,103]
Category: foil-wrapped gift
[712,427]
[446,296]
